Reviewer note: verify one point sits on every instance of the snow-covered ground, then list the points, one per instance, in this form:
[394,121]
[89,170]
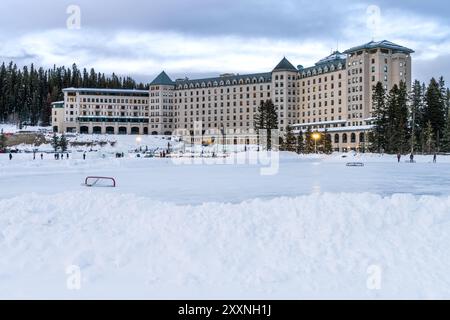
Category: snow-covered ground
[315,229]
[9,128]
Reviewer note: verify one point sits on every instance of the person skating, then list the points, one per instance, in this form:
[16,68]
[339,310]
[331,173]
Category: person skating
[411,158]
[84,156]
[10,156]
[399,157]
[435,158]
[42,156]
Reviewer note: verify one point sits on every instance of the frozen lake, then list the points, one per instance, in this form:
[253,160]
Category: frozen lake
[163,180]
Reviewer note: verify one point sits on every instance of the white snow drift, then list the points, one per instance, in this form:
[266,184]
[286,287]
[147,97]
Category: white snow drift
[304,247]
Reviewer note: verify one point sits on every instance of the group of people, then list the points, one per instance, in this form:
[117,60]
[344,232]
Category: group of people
[163,154]
[411,157]
[57,156]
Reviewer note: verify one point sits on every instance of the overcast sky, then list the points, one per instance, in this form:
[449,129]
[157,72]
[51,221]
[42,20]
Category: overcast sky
[206,37]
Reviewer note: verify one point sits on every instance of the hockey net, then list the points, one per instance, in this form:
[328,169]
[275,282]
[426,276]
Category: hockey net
[100,182]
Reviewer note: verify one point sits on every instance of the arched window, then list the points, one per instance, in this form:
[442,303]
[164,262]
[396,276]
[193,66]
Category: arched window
[353,138]
[362,138]
[336,138]
[344,138]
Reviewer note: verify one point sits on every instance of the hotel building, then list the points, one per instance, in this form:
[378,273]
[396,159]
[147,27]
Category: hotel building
[333,96]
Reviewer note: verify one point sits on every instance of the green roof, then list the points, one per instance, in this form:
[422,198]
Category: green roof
[58,104]
[285,65]
[260,77]
[383,45]
[162,80]
[336,56]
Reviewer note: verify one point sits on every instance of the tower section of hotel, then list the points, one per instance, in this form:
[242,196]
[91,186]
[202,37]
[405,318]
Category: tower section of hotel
[286,91]
[105,111]
[162,108]
[374,62]
[336,94]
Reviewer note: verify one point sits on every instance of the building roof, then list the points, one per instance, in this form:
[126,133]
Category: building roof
[228,79]
[381,44]
[285,65]
[162,80]
[336,56]
[58,105]
[93,90]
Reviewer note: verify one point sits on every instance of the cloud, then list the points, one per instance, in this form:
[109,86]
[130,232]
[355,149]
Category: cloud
[128,52]
[207,37]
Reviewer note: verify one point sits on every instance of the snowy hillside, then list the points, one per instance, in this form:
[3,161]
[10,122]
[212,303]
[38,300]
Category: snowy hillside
[316,246]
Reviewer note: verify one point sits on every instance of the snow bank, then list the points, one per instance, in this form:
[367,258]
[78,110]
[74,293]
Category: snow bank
[11,128]
[316,246]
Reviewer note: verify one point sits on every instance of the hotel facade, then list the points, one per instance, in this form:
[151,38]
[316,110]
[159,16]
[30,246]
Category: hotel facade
[334,97]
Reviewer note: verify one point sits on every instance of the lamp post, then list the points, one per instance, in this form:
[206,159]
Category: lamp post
[224,139]
[138,143]
[316,137]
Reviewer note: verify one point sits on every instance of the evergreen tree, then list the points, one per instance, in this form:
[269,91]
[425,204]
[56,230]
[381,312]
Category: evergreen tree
[417,105]
[2,141]
[434,111]
[428,136]
[260,118]
[281,143]
[397,119]
[63,143]
[327,143]
[309,143]
[446,138]
[300,143]
[265,121]
[402,116]
[271,121]
[378,137]
[55,142]
[290,141]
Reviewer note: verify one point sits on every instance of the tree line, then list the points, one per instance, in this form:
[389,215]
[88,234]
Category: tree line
[411,122]
[26,93]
